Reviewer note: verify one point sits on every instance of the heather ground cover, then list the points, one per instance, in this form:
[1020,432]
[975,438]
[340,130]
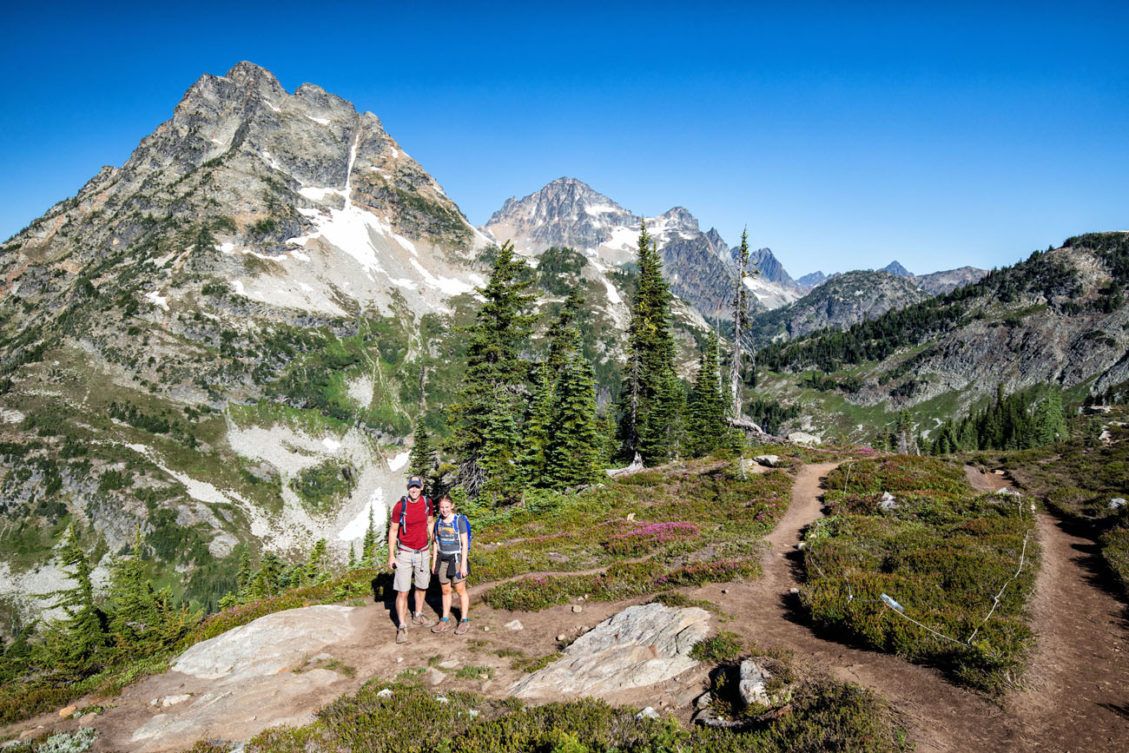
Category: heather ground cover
[686,524]
[941,551]
[405,716]
[1081,480]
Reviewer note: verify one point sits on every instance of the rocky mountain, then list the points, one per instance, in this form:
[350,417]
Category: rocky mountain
[699,265]
[934,283]
[1059,318]
[226,340]
[895,268]
[811,280]
[939,283]
[840,302]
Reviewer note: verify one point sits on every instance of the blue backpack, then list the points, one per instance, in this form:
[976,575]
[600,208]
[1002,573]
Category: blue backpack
[461,521]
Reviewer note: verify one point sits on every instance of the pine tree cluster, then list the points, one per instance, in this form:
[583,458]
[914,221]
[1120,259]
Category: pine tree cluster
[518,422]
[1029,418]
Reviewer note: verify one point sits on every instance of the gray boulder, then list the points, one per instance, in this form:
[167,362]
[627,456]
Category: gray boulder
[638,647]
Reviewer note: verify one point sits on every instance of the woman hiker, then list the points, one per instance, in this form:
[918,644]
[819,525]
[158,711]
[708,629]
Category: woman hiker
[449,563]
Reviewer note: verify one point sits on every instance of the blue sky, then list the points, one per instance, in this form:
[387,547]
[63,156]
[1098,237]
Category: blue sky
[843,135]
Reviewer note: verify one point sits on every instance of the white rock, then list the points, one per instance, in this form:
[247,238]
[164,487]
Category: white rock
[638,647]
[768,461]
[802,437]
[577,609]
[270,644]
[385,693]
[1117,503]
[441,699]
[434,676]
[647,713]
[754,677]
[514,625]
[561,637]
[172,700]
[472,713]
[888,502]
[449,664]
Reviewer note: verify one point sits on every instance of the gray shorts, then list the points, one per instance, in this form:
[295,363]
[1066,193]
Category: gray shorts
[411,566]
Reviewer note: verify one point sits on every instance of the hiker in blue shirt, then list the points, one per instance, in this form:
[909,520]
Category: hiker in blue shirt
[450,546]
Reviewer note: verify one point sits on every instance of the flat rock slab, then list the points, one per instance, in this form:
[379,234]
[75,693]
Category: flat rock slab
[638,647]
[266,673]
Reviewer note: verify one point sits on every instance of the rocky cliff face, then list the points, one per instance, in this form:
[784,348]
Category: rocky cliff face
[839,303]
[1058,318]
[699,265]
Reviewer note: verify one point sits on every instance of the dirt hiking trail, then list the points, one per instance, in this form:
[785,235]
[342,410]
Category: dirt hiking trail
[1075,697]
[1076,694]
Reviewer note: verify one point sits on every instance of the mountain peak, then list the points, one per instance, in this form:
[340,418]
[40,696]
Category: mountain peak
[895,268]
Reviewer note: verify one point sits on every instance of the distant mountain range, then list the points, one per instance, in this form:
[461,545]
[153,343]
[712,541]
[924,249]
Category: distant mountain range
[699,265]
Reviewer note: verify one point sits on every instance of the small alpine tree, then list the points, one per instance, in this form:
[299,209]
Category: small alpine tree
[76,643]
[421,461]
[368,544]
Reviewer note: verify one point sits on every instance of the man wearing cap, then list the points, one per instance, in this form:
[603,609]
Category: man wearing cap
[409,539]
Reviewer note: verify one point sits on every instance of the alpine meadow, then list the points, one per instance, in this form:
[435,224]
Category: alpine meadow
[295,456]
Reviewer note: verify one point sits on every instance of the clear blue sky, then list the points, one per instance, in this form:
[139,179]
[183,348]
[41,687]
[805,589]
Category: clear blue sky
[961,134]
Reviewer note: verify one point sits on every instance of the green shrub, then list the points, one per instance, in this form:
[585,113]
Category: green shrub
[942,552]
[825,715]
[718,648]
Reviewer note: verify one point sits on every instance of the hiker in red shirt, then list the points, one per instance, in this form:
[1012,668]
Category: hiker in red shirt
[409,538]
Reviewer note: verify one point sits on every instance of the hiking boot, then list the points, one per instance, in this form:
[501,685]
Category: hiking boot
[442,625]
[464,626]
[420,619]
[401,635]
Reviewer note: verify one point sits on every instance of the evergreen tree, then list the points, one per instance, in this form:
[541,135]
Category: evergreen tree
[421,462]
[740,323]
[651,391]
[133,604]
[314,570]
[77,642]
[574,442]
[368,544]
[352,555]
[538,420]
[706,426]
[486,427]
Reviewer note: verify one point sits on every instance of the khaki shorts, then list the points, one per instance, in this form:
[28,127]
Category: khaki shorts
[441,573]
[411,566]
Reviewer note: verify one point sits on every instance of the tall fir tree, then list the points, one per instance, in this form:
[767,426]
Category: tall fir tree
[574,439]
[740,324]
[486,417]
[535,432]
[706,427]
[651,390]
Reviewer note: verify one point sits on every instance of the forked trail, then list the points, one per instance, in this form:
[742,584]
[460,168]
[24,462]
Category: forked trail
[1076,699]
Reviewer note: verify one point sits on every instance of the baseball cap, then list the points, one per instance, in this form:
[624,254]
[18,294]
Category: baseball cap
[415,481]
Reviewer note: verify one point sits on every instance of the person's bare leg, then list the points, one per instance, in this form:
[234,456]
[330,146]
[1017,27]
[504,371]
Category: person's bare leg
[402,608]
[464,600]
[446,600]
[419,600]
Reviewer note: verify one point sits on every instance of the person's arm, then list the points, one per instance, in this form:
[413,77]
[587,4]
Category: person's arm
[434,550]
[463,566]
[393,532]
